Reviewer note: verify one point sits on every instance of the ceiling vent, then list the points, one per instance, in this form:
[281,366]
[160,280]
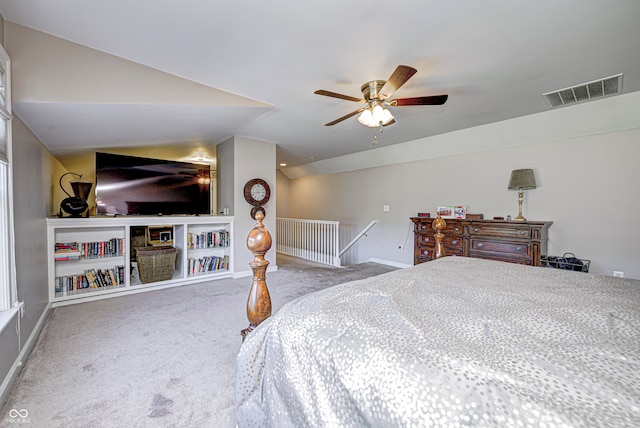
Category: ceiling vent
[586,91]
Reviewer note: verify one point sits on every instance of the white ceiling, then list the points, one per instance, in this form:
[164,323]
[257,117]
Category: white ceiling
[495,59]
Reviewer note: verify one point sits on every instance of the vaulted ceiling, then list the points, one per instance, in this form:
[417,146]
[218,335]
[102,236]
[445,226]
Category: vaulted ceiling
[96,74]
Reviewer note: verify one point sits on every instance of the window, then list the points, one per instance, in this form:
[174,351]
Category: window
[8,290]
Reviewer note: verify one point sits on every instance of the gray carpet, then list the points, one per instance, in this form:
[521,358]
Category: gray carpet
[164,358]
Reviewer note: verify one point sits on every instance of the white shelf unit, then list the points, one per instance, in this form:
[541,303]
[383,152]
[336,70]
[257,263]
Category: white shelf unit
[118,229]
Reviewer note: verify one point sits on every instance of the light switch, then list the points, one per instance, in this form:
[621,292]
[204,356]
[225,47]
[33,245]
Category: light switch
[385,208]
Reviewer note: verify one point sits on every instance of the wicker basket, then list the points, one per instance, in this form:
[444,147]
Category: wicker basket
[155,263]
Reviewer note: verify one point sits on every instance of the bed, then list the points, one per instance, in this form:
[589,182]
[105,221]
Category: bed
[453,342]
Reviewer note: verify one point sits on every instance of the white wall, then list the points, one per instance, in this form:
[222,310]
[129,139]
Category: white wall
[587,185]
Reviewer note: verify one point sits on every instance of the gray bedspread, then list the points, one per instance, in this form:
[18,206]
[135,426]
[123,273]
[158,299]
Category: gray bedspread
[453,342]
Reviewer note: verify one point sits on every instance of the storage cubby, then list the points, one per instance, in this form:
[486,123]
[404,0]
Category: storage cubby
[208,250]
[93,258]
[87,260]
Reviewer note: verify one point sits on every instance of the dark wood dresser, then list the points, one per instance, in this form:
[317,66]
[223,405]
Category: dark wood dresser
[510,241]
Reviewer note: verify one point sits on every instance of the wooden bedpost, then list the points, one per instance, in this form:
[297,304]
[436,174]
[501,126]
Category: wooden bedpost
[439,225]
[259,302]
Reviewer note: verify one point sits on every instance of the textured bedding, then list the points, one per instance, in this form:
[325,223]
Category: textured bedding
[453,342]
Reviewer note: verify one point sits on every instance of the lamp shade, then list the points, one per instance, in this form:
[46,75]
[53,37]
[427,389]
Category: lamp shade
[81,189]
[522,179]
[366,118]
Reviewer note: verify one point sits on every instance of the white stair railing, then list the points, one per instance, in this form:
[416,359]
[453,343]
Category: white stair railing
[358,236]
[315,240]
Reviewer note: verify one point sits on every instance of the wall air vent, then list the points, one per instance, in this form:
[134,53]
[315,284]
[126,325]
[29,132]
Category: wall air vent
[586,91]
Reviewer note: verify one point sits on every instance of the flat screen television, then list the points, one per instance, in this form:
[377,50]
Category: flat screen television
[131,185]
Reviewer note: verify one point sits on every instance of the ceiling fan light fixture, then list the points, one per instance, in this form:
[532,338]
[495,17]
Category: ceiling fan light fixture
[375,116]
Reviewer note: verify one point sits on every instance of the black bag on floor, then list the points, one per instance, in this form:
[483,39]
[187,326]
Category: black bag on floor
[569,261]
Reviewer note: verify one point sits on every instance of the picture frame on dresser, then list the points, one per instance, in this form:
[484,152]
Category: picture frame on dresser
[451,211]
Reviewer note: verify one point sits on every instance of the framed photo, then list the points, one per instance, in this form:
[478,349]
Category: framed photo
[452,211]
[165,236]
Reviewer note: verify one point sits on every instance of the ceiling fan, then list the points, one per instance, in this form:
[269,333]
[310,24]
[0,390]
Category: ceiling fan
[376,94]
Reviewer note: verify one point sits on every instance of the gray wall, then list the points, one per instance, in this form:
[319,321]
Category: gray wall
[224,182]
[240,160]
[283,194]
[587,185]
[32,190]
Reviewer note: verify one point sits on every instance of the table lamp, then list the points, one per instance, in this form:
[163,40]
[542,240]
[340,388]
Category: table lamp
[521,179]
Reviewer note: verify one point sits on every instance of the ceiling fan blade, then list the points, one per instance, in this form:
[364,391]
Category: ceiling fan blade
[336,95]
[399,77]
[346,116]
[433,100]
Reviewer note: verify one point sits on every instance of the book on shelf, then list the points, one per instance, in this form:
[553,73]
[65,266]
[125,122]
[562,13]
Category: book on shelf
[66,256]
[66,251]
[207,264]
[88,250]
[112,277]
[91,278]
[211,239]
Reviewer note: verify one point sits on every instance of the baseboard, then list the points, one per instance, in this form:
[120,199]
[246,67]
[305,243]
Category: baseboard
[12,376]
[388,263]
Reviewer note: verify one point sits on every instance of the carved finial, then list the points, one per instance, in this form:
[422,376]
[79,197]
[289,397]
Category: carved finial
[439,225]
[259,239]
[259,302]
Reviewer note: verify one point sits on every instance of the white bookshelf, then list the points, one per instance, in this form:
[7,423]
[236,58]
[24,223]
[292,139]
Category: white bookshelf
[65,284]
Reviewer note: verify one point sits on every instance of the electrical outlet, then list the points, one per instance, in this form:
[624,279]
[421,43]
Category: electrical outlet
[618,274]
[400,247]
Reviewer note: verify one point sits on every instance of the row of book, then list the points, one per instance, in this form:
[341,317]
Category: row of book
[214,238]
[92,278]
[208,264]
[89,250]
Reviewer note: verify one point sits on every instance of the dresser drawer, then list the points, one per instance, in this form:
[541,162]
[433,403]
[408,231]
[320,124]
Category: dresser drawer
[450,241]
[502,257]
[426,254]
[453,243]
[453,229]
[426,240]
[507,247]
[501,231]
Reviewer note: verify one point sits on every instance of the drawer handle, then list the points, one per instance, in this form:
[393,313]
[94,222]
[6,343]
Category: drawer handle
[522,232]
[426,239]
[518,248]
[475,230]
[480,245]
[454,242]
[457,229]
[425,252]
